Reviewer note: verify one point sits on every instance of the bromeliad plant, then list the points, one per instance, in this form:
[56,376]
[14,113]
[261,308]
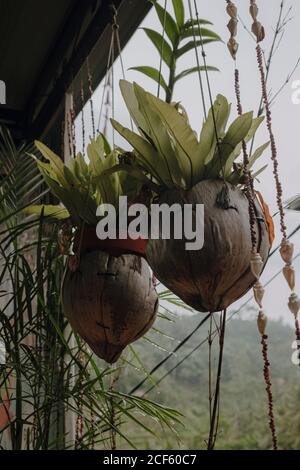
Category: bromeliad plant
[110,300]
[180,37]
[78,184]
[186,169]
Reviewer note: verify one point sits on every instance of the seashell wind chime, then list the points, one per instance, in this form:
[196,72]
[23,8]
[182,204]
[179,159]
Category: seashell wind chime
[286,247]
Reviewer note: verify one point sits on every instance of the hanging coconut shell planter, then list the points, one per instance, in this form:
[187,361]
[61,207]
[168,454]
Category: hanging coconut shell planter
[212,278]
[191,171]
[108,294]
[110,301]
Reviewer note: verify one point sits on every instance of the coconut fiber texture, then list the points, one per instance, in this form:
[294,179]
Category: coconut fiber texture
[214,277]
[110,301]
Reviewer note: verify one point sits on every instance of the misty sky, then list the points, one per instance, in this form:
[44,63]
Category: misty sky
[286,115]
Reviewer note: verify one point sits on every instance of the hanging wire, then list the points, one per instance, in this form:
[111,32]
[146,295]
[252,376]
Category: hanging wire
[215,410]
[162,49]
[109,76]
[121,61]
[105,81]
[113,89]
[198,65]
[203,53]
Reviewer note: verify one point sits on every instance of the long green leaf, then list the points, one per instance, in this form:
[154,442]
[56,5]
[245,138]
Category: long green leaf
[133,105]
[179,12]
[167,21]
[255,175]
[187,72]
[161,45]
[56,162]
[153,73]
[191,46]
[195,22]
[184,139]
[235,134]
[202,32]
[237,150]
[160,136]
[258,152]
[48,210]
[207,144]
[146,152]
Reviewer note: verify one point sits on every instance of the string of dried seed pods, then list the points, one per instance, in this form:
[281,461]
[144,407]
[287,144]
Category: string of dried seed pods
[286,248]
[91,91]
[82,116]
[79,418]
[256,263]
[70,126]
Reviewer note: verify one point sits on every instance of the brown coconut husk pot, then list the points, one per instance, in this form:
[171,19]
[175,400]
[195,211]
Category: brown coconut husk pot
[110,300]
[214,277]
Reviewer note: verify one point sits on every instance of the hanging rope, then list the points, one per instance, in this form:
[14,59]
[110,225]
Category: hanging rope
[264,343]
[107,74]
[79,419]
[121,61]
[109,82]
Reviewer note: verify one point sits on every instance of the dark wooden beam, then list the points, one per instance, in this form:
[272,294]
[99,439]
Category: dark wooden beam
[59,55]
[96,39]
[11,115]
[41,122]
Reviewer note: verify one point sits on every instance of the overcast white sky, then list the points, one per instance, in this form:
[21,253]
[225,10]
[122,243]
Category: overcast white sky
[286,115]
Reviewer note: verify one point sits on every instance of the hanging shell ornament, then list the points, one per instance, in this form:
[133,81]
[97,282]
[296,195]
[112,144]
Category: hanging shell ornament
[232,27]
[262,320]
[289,274]
[294,304]
[253,10]
[231,9]
[258,291]
[256,264]
[287,251]
[258,30]
[233,47]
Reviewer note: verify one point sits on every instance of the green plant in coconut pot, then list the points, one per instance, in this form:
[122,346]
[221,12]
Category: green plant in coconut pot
[180,36]
[191,170]
[107,293]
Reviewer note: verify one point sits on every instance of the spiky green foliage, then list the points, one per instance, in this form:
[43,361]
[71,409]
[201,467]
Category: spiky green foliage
[170,152]
[79,185]
[180,37]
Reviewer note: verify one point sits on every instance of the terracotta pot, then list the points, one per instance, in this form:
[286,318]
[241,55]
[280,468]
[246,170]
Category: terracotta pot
[110,301]
[214,277]
[88,241]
